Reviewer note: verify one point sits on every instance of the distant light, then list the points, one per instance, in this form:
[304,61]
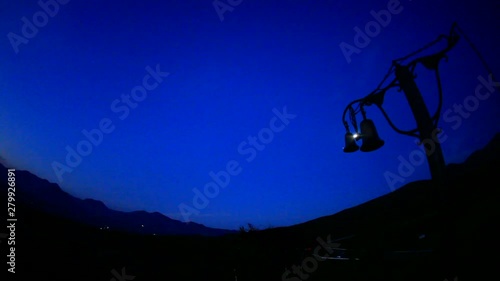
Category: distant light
[154,233]
[355,136]
[142,225]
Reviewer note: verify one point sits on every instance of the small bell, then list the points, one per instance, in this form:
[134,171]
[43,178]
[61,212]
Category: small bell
[350,143]
[371,140]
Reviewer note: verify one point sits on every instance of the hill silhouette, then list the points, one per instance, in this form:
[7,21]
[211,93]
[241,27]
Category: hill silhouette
[418,232]
[42,195]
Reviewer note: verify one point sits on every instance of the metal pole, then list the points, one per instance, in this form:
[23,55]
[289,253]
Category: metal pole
[446,248]
[428,132]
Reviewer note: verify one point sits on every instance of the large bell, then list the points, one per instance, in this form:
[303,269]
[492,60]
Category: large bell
[350,143]
[371,140]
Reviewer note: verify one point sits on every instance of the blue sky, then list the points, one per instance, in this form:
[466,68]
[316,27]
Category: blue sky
[206,80]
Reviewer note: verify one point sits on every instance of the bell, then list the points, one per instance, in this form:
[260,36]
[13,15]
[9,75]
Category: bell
[350,143]
[371,140]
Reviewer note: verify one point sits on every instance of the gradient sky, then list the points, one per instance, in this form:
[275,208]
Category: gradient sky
[227,77]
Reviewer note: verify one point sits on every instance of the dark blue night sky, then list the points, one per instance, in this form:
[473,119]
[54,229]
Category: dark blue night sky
[145,105]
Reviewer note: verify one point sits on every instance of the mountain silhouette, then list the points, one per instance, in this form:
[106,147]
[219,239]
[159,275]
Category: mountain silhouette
[421,231]
[43,196]
[436,228]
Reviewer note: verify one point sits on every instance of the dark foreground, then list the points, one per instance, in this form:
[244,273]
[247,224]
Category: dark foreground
[419,232]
